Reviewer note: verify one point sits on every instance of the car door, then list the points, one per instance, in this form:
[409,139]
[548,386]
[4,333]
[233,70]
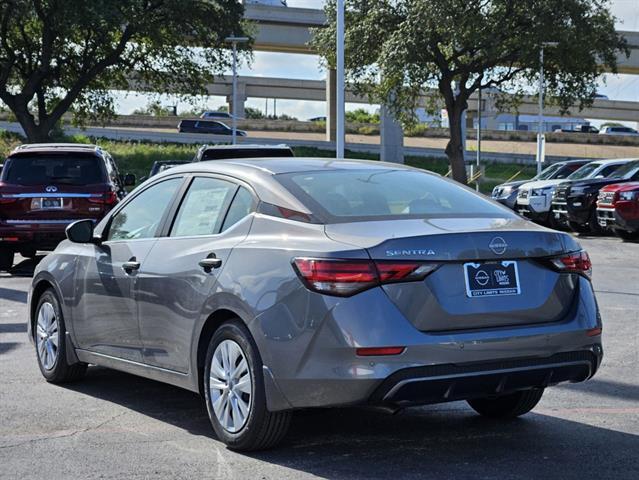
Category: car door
[105,317]
[181,271]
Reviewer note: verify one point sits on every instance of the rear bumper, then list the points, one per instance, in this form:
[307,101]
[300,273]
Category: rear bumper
[444,383]
[323,369]
[40,235]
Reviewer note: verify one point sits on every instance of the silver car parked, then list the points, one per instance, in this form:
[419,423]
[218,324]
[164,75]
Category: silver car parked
[270,285]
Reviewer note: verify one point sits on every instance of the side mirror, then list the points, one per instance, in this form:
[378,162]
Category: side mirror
[81,232]
[129,180]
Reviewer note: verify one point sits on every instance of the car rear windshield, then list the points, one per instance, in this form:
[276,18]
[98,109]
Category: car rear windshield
[58,169]
[358,195]
[226,153]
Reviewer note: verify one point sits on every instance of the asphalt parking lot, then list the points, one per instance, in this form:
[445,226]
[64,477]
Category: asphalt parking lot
[114,425]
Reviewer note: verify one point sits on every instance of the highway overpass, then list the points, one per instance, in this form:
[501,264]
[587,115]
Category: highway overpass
[288,30]
[316,90]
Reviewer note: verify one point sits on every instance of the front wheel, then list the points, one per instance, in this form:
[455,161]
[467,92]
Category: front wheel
[507,406]
[626,235]
[49,333]
[6,259]
[578,227]
[235,395]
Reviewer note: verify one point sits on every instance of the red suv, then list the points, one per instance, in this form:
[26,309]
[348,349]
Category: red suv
[618,209]
[44,187]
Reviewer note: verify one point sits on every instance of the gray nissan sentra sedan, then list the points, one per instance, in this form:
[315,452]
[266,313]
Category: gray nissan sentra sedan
[270,285]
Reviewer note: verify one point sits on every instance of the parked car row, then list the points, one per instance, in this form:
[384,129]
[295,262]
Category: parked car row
[584,201]
[45,187]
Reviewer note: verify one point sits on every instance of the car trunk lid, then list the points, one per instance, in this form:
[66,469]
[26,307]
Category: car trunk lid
[470,252]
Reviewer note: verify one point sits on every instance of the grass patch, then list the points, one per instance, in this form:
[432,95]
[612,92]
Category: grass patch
[138,157]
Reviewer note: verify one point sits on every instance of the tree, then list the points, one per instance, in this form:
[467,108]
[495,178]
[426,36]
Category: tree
[68,55]
[395,49]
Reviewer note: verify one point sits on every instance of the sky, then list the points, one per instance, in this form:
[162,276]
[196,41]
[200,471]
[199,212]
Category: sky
[267,64]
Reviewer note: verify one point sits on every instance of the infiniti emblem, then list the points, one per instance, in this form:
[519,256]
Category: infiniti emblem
[51,189]
[498,245]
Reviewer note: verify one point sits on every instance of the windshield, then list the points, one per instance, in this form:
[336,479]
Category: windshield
[627,171]
[356,195]
[584,172]
[548,172]
[56,169]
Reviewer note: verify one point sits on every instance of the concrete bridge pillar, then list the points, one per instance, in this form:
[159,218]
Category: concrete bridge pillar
[331,105]
[392,137]
[241,99]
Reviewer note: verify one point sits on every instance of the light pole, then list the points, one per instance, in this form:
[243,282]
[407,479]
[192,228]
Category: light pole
[235,40]
[479,106]
[339,124]
[540,121]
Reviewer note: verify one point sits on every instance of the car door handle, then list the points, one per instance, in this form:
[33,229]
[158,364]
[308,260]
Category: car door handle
[131,265]
[210,262]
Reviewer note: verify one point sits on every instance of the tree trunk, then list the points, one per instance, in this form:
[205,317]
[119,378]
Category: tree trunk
[455,147]
[35,132]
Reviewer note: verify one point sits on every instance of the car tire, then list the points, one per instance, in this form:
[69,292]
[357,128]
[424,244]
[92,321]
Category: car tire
[48,329]
[507,406]
[593,223]
[6,259]
[578,227]
[626,235]
[237,407]
[29,253]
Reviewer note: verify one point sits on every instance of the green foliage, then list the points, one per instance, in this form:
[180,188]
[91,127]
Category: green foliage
[154,108]
[460,46]
[253,113]
[69,55]
[361,116]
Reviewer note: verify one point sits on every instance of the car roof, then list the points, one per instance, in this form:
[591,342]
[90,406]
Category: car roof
[244,146]
[57,148]
[614,160]
[259,173]
[281,165]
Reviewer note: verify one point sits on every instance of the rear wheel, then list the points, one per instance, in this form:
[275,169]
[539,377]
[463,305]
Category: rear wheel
[235,395]
[6,259]
[578,227]
[49,333]
[626,235]
[507,406]
[28,253]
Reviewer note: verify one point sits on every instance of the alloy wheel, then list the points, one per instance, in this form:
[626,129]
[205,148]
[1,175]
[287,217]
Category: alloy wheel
[47,335]
[230,386]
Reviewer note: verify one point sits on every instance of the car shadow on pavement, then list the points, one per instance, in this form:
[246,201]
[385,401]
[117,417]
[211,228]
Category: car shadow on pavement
[443,441]
[161,401]
[26,267]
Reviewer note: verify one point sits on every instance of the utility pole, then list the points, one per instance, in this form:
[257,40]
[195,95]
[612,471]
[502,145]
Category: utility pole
[478,136]
[340,137]
[234,41]
[541,138]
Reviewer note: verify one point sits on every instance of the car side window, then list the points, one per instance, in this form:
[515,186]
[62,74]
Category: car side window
[203,208]
[608,170]
[141,217]
[242,205]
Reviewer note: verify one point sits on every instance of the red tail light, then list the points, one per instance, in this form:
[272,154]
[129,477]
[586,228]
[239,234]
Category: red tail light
[348,277]
[578,262]
[379,351]
[109,198]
